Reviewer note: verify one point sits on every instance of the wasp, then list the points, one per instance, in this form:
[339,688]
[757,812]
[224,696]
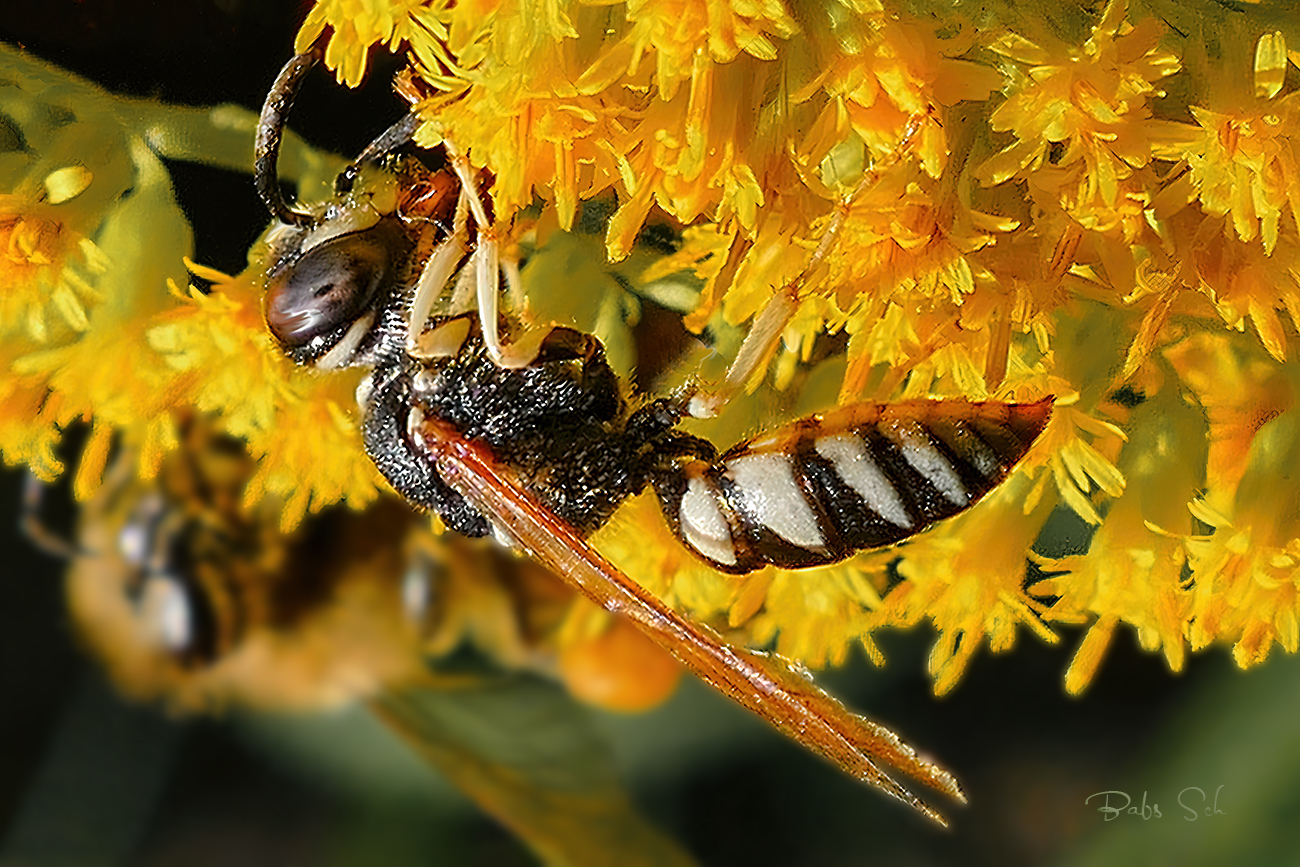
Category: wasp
[531,437]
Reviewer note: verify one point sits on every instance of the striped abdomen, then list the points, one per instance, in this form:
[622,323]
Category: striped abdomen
[864,476]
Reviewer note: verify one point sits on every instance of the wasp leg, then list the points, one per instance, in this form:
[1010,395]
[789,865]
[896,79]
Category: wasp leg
[515,288]
[771,322]
[47,540]
[677,446]
[485,261]
[654,424]
[437,274]
[486,268]
[758,347]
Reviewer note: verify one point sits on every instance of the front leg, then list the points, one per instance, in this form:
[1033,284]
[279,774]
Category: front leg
[486,259]
[436,274]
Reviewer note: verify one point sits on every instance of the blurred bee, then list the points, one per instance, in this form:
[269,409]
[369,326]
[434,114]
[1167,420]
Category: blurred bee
[527,435]
[189,599]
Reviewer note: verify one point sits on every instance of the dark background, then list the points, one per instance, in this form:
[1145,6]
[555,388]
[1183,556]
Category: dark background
[86,779]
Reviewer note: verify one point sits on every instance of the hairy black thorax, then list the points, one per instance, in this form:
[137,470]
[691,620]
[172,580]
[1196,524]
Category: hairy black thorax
[561,422]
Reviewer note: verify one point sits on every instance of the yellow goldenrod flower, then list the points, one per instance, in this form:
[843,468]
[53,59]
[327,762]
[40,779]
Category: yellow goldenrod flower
[952,209]
[46,268]
[1083,133]
[308,448]
[1243,164]
[1133,571]
[1242,169]
[358,25]
[24,438]
[1084,109]
[754,125]
[1247,571]
[1239,391]
[1242,156]
[971,593]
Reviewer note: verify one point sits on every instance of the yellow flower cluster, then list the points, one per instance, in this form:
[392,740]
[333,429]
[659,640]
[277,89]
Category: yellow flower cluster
[93,238]
[993,205]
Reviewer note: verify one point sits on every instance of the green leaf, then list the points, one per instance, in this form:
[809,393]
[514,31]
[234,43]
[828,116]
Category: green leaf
[531,757]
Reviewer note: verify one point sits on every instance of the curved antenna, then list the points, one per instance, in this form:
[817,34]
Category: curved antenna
[270,127]
[396,136]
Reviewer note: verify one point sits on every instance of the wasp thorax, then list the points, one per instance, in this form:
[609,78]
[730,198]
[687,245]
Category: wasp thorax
[313,302]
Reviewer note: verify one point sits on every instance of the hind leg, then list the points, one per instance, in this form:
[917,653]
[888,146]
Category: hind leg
[764,335]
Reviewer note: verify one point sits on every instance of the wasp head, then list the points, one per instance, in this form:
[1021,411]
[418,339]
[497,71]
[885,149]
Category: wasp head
[331,269]
[328,283]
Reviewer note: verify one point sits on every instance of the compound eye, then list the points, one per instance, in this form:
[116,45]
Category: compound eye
[332,284]
[178,619]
